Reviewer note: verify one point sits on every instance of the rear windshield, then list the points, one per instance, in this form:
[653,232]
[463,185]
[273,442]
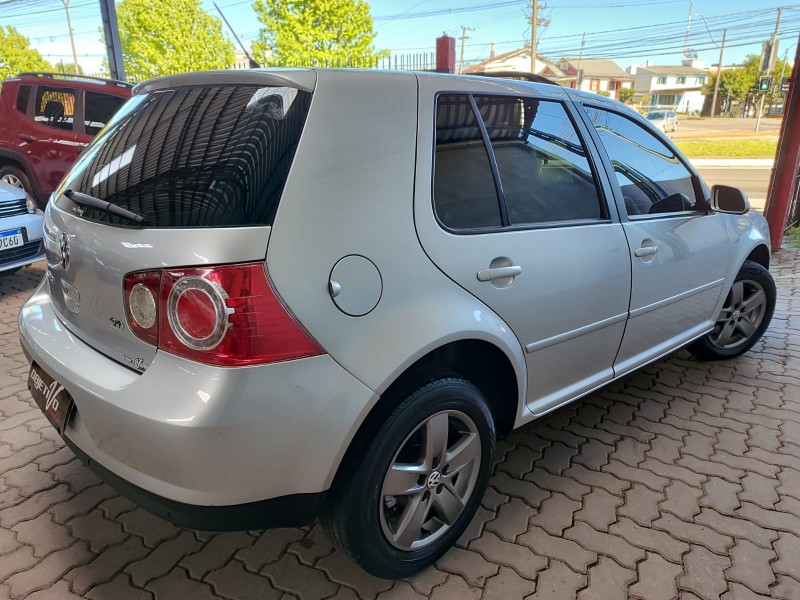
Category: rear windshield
[654,116]
[193,157]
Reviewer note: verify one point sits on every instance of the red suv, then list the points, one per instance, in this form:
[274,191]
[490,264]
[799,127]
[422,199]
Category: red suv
[46,120]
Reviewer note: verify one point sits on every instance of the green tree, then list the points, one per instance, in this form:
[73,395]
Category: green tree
[162,38]
[314,32]
[16,55]
[63,67]
[626,94]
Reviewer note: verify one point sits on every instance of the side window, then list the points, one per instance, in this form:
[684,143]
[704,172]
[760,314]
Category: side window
[23,94]
[55,107]
[542,162]
[99,110]
[464,194]
[652,178]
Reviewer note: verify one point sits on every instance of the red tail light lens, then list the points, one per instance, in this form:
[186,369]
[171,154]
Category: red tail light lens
[227,316]
[141,304]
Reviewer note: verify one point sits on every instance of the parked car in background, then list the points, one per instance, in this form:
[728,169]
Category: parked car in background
[260,309]
[20,230]
[665,120]
[46,120]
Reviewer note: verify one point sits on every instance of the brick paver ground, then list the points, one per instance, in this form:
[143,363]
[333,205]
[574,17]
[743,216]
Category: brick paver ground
[681,481]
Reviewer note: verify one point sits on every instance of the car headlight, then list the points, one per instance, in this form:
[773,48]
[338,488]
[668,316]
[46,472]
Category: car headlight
[31,204]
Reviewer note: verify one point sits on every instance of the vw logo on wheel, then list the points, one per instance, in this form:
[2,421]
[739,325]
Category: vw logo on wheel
[434,479]
[64,251]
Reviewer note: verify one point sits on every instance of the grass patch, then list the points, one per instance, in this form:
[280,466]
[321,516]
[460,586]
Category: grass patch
[794,235]
[729,148]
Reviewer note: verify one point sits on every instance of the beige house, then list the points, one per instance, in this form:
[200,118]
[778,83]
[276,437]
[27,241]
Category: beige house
[590,74]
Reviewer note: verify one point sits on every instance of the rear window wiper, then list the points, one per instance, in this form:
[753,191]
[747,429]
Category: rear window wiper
[87,200]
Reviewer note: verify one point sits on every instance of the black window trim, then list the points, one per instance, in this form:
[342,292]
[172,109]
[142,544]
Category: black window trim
[505,225]
[702,205]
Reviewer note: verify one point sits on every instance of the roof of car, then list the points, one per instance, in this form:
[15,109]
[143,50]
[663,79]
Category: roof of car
[73,79]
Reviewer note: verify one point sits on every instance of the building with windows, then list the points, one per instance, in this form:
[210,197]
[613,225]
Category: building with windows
[681,88]
[590,74]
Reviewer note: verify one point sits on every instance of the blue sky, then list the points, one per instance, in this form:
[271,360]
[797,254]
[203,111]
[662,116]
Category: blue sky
[629,31]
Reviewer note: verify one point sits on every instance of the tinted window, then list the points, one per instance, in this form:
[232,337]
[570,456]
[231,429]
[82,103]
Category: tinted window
[463,185]
[99,109]
[652,178]
[23,95]
[542,162]
[654,116]
[55,107]
[194,157]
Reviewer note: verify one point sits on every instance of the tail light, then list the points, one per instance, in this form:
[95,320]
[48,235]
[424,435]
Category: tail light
[226,315]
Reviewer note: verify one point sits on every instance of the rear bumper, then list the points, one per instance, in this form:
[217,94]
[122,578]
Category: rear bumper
[187,436]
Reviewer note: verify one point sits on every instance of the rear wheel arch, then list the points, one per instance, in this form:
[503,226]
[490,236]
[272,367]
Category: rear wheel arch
[478,361]
[11,160]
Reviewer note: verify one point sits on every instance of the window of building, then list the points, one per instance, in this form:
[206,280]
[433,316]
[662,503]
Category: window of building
[612,85]
[681,79]
[652,178]
[594,84]
[55,107]
[464,192]
[661,79]
[541,161]
[700,80]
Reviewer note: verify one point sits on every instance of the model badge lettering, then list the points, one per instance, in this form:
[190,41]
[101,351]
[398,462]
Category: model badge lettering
[116,323]
[48,391]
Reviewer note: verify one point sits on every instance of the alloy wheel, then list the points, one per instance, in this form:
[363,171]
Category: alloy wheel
[430,480]
[741,315]
[12,180]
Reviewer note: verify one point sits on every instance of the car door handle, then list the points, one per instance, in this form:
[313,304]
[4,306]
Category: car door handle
[646,251]
[28,138]
[499,273]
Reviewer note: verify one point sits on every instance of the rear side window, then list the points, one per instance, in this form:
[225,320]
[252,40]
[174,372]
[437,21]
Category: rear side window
[194,157]
[55,107]
[23,94]
[463,185]
[99,109]
[542,163]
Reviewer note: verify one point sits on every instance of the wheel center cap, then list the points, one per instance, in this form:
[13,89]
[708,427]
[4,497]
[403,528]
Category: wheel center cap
[434,479]
[737,314]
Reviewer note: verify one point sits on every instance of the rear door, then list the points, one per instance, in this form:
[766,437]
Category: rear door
[51,141]
[516,214]
[679,251]
[98,108]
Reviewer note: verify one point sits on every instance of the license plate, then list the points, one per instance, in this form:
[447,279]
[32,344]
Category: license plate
[11,238]
[52,398]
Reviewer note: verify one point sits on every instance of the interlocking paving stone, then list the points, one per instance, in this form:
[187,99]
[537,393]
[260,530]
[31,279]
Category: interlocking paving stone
[679,481]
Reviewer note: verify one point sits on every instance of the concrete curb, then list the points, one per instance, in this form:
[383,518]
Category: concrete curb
[732,162]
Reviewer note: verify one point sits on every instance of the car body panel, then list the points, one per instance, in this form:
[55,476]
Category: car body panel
[360,186]
[12,204]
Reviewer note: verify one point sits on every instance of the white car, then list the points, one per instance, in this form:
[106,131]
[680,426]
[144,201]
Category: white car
[20,230]
[278,295]
[665,120]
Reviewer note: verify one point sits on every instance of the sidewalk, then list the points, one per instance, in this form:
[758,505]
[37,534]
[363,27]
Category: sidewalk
[681,481]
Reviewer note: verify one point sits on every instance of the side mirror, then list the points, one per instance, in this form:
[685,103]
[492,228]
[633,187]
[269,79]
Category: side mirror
[727,199]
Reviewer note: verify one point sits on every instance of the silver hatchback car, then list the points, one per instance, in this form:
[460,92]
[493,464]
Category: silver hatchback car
[273,296]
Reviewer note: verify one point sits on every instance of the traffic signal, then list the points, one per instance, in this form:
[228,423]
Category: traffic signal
[764,84]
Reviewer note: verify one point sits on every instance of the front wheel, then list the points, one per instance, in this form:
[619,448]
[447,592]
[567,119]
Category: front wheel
[744,317]
[416,488]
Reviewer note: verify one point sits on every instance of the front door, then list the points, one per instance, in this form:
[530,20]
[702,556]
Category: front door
[518,219]
[679,252]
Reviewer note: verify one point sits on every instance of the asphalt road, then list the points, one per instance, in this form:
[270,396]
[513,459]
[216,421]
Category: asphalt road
[752,180]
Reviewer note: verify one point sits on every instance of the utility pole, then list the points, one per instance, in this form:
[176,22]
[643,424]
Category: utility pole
[71,39]
[719,73]
[534,22]
[688,29]
[253,64]
[464,38]
[770,65]
[579,76]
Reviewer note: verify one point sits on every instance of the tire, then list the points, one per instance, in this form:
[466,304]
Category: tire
[745,315]
[16,177]
[368,525]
